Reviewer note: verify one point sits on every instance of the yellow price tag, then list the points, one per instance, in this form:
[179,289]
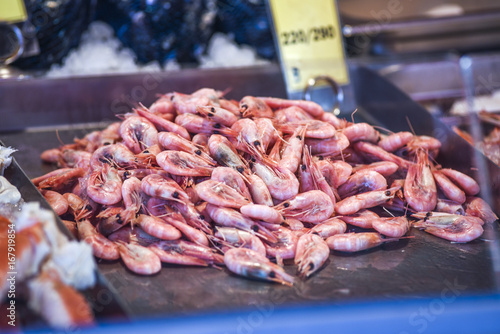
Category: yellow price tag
[310,41]
[12,11]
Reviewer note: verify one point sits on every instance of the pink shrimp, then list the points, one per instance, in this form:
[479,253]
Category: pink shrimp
[133,236]
[477,207]
[266,131]
[187,248]
[355,242]
[192,216]
[222,150]
[131,195]
[185,103]
[319,181]
[249,263]
[286,245]
[59,179]
[465,182]
[330,118]
[292,152]
[139,259]
[231,178]
[292,114]
[220,194]
[112,220]
[448,206]
[361,131]
[115,155]
[386,168]
[329,227]
[101,247]
[231,105]
[362,181]
[75,159]
[217,114]
[451,227]
[248,138]
[254,107]
[312,252]
[56,201]
[448,188]
[104,186]
[330,146]
[77,207]
[163,187]
[394,227]
[420,189]
[231,218]
[353,204]
[395,141]
[185,164]
[262,212]
[312,108]
[138,133]
[282,183]
[174,142]
[164,108]
[238,238]
[363,218]
[311,207]
[427,143]
[380,154]
[158,228]
[163,124]
[336,172]
[259,191]
[197,124]
[200,139]
[315,129]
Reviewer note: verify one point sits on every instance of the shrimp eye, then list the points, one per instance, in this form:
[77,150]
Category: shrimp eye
[198,152]
[217,125]
[240,169]
[255,228]
[216,132]
[250,164]
[272,274]
[244,106]
[171,98]
[253,159]
[212,109]
[126,174]
[303,167]
[311,266]
[88,207]
[387,193]
[316,234]
[320,157]
[286,204]
[299,137]
[119,219]
[106,143]
[256,143]
[103,160]
[202,217]
[175,194]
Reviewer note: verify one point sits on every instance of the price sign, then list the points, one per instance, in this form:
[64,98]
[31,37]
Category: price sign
[12,11]
[309,39]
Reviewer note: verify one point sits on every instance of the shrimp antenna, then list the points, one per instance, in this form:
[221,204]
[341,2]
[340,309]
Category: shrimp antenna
[352,114]
[409,125]
[390,213]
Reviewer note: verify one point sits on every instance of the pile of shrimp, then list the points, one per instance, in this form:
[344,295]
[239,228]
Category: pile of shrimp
[200,180]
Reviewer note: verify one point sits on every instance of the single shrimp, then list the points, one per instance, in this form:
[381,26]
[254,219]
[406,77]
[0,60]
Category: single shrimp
[451,227]
[420,189]
[464,181]
[394,227]
[79,208]
[266,132]
[217,114]
[282,183]
[254,107]
[249,263]
[101,247]
[185,164]
[158,228]
[51,156]
[56,201]
[231,178]
[328,228]
[395,141]
[362,181]
[163,124]
[104,186]
[186,103]
[355,242]
[231,218]
[163,187]
[380,154]
[335,172]
[186,248]
[248,139]
[111,220]
[449,189]
[75,159]
[201,140]
[330,118]
[132,199]
[476,206]
[286,245]
[174,142]
[115,155]
[138,133]
[332,146]
[164,108]
[197,124]
[306,182]
[292,152]
[233,237]
[292,114]
[262,212]
[448,206]
[139,259]
[361,131]
[316,129]
[259,191]
[311,207]
[231,105]
[386,168]
[59,179]
[363,218]
[353,204]
[312,108]
[312,252]
[430,144]
[223,151]
[319,181]
[220,194]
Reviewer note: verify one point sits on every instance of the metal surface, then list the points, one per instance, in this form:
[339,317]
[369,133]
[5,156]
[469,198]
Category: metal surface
[411,269]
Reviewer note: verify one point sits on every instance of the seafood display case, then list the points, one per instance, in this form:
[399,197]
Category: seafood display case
[415,284]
